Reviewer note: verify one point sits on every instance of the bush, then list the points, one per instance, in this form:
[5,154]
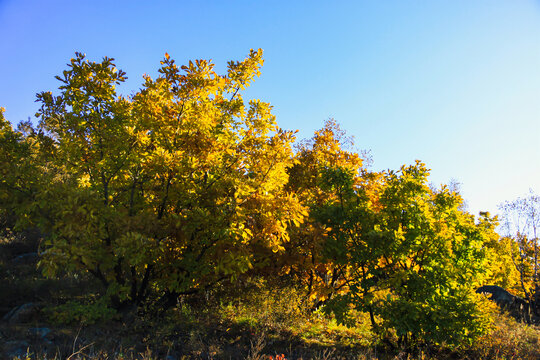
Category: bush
[74,312]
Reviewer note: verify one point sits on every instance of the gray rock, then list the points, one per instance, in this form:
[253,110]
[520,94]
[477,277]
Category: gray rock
[39,332]
[16,349]
[518,307]
[24,313]
[28,258]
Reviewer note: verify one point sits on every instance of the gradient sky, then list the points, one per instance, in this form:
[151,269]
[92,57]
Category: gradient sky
[455,84]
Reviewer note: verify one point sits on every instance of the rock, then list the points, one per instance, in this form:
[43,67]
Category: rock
[16,349]
[42,335]
[518,307]
[39,332]
[28,258]
[24,313]
[498,294]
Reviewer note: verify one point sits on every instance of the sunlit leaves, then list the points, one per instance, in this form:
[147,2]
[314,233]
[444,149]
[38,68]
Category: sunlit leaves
[420,257]
[184,184]
[326,167]
[179,185]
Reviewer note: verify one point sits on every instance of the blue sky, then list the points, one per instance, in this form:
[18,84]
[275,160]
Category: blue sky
[455,84]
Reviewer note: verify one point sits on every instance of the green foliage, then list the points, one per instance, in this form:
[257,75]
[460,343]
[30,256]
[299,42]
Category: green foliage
[18,172]
[74,312]
[416,258]
[327,167]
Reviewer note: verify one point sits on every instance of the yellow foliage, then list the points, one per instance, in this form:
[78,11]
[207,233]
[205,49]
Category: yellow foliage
[178,185]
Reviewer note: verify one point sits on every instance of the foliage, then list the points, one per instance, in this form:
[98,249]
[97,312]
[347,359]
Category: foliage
[388,244]
[202,328]
[521,224]
[417,257]
[500,268]
[172,189]
[184,185]
[329,149]
[74,312]
[20,153]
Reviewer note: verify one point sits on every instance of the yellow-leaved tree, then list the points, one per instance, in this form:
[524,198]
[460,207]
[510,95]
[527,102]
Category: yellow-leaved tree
[330,150]
[22,154]
[168,191]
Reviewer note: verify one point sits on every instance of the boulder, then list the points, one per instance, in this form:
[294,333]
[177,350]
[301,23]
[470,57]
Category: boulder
[21,314]
[517,307]
[502,297]
[16,349]
[39,332]
[28,258]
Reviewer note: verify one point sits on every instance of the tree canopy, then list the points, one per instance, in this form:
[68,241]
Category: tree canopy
[174,188]
[185,183]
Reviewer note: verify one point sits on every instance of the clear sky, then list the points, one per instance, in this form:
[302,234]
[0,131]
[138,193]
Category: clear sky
[453,83]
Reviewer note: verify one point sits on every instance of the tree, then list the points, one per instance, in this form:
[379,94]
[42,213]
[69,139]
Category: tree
[521,224]
[21,151]
[305,257]
[169,191]
[10,153]
[415,257]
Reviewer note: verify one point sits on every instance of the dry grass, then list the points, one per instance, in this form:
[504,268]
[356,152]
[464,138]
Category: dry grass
[510,340]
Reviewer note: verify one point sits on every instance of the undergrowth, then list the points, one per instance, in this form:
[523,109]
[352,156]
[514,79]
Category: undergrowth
[252,318]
